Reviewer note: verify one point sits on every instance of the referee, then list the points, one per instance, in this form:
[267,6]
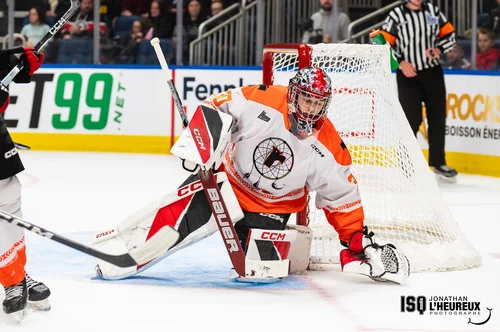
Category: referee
[419,33]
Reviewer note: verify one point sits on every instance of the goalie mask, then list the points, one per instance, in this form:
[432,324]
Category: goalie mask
[309,96]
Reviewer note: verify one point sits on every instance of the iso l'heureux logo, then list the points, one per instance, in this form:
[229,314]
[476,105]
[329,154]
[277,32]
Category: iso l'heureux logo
[445,305]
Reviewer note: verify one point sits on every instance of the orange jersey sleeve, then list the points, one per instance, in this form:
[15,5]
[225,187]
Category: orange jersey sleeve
[339,196]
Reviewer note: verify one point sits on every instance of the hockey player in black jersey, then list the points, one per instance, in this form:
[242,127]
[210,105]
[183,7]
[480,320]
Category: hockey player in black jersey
[20,288]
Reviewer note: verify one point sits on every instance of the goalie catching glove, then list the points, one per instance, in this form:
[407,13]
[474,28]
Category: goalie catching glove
[379,262]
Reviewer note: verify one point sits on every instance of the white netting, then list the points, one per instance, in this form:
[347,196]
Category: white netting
[402,202]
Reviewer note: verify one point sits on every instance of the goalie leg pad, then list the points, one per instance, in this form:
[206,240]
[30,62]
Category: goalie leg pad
[266,256]
[300,249]
[187,211]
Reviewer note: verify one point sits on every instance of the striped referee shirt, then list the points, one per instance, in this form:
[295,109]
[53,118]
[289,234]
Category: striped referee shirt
[411,32]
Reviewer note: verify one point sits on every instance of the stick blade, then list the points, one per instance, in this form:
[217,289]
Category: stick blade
[157,245]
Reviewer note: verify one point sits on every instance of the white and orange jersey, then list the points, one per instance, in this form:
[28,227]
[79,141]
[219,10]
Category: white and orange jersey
[271,170]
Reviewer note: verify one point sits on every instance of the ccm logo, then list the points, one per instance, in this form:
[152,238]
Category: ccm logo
[30,227]
[56,26]
[10,153]
[315,148]
[104,233]
[199,140]
[272,236]
[190,188]
[223,220]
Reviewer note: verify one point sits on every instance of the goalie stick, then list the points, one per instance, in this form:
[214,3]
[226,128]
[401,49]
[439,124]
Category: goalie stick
[165,238]
[75,5]
[214,197]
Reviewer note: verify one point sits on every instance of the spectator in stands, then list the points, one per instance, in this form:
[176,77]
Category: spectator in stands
[324,25]
[81,24]
[216,7]
[487,56]
[36,28]
[127,54]
[455,59]
[137,33]
[162,22]
[136,7]
[494,20]
[191,22]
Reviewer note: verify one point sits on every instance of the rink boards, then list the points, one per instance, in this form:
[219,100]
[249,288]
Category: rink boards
[130,109]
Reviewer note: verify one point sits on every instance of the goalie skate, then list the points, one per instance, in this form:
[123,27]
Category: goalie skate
[235,277]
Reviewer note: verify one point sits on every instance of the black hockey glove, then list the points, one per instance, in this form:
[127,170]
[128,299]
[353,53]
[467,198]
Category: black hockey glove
[31,62]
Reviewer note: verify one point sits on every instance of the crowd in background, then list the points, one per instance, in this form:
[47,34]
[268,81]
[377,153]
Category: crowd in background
[127,23]
[488,36]
[142,19]
[488,44]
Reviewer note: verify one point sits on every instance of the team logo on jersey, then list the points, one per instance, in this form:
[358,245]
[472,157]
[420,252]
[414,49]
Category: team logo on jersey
[263,116]
[273,159]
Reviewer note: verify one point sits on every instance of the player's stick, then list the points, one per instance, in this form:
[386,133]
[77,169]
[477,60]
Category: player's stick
[206,176]
[156,245]
[75,5]
[20,146]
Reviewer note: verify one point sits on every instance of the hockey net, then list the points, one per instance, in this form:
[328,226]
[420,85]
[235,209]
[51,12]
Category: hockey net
[402,201]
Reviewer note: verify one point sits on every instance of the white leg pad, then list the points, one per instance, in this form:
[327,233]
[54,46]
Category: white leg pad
[135,229]
[300,249]
[266,256]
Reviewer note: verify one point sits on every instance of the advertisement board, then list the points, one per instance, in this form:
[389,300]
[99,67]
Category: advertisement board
[92,109]
[472,123]
[130,109]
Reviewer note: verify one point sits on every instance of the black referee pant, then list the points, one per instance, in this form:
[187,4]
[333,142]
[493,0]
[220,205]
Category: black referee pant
[427,87]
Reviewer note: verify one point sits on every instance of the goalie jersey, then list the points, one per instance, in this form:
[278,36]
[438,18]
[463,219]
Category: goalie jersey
[271,170]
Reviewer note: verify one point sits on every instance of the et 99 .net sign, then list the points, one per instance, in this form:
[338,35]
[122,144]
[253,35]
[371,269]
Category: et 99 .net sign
[69,90]
[68,101]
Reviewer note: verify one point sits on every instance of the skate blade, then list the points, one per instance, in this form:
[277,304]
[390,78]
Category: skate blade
[43,305]
[444,179]
[257,280]
[18,316]
[235,277]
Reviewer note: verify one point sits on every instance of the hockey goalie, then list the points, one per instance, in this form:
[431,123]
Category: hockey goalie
[269,146]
